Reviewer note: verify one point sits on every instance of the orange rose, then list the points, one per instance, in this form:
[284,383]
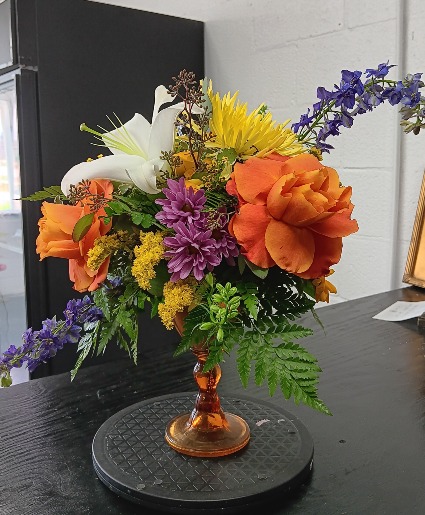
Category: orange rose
[292,213]
[55,238]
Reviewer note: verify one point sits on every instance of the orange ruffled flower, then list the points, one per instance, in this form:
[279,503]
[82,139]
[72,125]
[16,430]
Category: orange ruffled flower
[293,213]
[55,237]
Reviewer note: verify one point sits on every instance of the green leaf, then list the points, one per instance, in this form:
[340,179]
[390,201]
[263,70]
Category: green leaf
[162,276]
[141,299]
[209,279]
[154,309]
[191,329]
[229,154]
[85,345]
[250,301]
[297,372]
[143,219]
[215,355]
[118,208]
[82,227]
[129,324]
[81,357]
[316,317]
[48,192]
[206,326]
[245,354]
[256,270]
[241,264]
[5,379]
[101,300]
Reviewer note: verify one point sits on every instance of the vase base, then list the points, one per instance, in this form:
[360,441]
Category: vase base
[207,444]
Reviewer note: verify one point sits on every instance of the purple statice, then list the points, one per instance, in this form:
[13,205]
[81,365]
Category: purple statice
[191,250]
[181,204]
[350,86]
[112,283]
[50,340]
[39,346]
[305,121]
[11,358]
[82,310]
[337,108]
[380,72]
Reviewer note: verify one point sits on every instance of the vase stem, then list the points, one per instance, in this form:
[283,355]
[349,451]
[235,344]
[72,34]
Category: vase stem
[207,414]
[207,431]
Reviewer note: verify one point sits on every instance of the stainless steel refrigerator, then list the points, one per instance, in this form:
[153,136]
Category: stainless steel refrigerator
[64,62]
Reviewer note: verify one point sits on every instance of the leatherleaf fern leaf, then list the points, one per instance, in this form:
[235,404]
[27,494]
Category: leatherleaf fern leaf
[285,364]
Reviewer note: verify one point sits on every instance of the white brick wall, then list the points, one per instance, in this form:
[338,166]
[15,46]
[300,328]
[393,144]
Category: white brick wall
[278,52]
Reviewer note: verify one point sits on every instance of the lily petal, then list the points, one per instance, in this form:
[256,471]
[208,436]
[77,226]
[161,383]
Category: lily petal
[163,127]
[133,134]
[161,97]
[114,168]
[162,131]
[144,177]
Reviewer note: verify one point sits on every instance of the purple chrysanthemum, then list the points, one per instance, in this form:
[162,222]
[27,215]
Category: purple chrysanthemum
[192,250]
[181,205]
[225,244]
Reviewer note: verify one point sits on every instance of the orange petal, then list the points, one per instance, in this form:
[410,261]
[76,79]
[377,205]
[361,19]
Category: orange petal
[100,276]
[299,210]
[337,225]
[87,242]
[277,199]
[78,275]
[255,178]
[327,253]
[249,228]
[302,163]
[64,216]
[232,190]
[277,157]
[61,249]
[291,247]
[332,182]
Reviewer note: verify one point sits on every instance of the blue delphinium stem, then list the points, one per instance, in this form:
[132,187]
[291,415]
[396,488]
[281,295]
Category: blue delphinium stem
[337,108]
[39,346]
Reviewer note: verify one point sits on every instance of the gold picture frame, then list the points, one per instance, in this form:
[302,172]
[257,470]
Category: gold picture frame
[414,272]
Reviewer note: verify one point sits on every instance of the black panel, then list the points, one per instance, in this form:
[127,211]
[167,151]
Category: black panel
[92,60]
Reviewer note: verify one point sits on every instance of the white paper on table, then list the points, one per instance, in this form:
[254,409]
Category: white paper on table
[401,310]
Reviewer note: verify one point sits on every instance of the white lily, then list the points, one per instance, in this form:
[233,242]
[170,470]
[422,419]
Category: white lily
[136,147]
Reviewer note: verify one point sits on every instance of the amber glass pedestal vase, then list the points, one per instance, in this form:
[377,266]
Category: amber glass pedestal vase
[208,431]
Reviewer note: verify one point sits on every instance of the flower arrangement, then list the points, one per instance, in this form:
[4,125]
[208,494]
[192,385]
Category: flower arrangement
[212,214]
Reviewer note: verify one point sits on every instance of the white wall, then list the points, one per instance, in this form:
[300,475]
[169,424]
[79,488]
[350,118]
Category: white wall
[278,52]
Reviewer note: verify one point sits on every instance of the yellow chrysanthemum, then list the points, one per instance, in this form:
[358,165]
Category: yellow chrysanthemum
[105,246]
[248,134]
[323,288]
[177,297]
[147,256]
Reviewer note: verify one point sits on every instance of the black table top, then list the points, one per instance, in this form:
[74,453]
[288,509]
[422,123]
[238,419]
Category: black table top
[369,457]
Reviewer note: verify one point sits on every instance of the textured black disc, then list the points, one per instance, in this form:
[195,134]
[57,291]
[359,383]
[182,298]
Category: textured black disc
[131,457]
